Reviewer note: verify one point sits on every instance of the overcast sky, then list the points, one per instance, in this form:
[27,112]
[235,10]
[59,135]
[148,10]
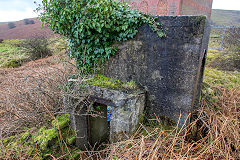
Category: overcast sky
[13,10]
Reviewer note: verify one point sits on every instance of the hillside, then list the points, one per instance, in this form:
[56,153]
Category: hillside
[22,31]
[225,17]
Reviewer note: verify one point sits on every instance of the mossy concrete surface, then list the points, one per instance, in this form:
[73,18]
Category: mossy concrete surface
[105,82]
[126,99]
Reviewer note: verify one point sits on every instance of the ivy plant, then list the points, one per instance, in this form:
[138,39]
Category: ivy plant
[92,26]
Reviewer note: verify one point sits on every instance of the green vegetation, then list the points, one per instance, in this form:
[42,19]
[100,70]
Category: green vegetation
[38,145]
[13,52]
[10,54]
[219,78]
[216,73]
[61,121]
[225,17]
[93,26]
[36,48]
[105,82]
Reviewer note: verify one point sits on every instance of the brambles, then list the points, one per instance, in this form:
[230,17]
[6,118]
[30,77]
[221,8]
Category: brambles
[93,26]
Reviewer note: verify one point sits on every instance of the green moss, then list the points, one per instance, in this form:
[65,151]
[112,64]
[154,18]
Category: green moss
[46,140]
[30,150]
[76,154]
[71,140]
[131,84]
[14,145]
[11,63]
[61,121]
[105,82]
[25,135]
[141,118]
[45,137]
[5,141]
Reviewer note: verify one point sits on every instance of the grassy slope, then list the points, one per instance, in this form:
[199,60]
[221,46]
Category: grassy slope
[8,51]
[225,17]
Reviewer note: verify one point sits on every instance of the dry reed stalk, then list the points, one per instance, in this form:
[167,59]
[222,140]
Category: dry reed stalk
[222,141]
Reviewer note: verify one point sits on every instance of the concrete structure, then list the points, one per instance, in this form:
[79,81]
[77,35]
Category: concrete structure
[173,7]
[170,69]
[127,109]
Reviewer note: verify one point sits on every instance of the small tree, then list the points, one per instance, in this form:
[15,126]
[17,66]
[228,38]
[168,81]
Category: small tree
[11,25]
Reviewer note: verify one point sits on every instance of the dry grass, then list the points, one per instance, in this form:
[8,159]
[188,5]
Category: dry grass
[215,134]
[29,93]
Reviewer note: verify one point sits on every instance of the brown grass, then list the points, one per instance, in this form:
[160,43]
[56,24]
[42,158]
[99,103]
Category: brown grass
[27,93]
[215,134]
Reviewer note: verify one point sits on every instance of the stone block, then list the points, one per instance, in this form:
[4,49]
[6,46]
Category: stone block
[128,106]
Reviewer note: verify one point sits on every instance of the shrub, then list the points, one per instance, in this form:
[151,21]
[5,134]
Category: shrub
[11,25]
[28,21]
[36,47]
[1,40]
[31,22]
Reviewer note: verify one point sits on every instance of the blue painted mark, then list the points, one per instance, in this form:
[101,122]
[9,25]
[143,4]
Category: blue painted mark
[109,113]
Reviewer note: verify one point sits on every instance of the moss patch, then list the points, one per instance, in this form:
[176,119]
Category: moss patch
[105,82]
[61,121]
[40,144]
[12,63]
[45,137]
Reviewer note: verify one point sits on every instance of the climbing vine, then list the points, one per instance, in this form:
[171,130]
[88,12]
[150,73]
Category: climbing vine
[92,26]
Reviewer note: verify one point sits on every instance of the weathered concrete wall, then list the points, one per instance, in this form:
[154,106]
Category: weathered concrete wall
[173,7]
[170,69]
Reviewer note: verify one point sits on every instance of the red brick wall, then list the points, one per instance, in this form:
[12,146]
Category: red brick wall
[196,7]
[172,7]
